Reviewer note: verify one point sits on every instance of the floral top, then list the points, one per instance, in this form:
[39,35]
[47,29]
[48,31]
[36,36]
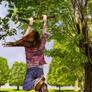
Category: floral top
[35,56]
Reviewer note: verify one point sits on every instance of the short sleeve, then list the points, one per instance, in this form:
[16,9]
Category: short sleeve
[45,36]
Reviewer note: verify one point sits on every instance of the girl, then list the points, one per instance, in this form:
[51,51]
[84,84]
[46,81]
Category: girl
[34,50]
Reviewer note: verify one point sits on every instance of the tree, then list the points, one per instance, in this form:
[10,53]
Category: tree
[17,74]
[81,12]
[4,71]
[4,28]
[59,74]
[71,23]
[64,69]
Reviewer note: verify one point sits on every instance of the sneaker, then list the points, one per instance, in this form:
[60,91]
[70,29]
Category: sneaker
[44,88]
[40,90]
[39,83]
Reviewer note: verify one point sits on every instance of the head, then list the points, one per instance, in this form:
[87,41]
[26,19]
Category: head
[34,39]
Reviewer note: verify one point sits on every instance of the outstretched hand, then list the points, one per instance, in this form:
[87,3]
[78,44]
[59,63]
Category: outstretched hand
[44,17]
[31,20]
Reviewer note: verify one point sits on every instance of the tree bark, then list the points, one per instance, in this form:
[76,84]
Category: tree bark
[80,8]
[59,88]
[17,87]
[82,83]
[76,85]
[83,43]
[88,77]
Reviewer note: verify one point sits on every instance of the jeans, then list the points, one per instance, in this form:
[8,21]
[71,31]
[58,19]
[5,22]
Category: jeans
[33,74]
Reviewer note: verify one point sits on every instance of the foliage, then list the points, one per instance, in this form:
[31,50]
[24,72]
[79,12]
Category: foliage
[4,28]
[31,8]
[59,74]
[4,71]
[17,74]
[65,66]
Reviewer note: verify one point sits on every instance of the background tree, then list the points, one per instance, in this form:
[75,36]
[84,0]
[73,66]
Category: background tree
[59,74]
[4,71]
[65,68]
[17,74]
[4,28]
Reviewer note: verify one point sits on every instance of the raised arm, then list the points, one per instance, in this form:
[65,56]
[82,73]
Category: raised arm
[29,27]
[45,34]
[45,24]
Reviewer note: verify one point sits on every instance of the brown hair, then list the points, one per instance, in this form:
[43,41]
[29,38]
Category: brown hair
[30,40]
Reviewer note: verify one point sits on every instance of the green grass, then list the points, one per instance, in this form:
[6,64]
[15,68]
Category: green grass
[64,90]
[50,90]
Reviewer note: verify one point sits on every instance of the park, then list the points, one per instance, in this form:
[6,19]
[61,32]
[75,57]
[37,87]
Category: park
[69,23]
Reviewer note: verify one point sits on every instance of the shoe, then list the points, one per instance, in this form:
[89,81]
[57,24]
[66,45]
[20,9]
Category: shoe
[44,88]
[40,90]
[39,83]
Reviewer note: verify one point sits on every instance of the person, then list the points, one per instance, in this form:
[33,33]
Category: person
[34,50]
[35,58]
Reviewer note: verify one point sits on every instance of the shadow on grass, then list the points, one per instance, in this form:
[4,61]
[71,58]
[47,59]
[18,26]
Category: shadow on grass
[3,91]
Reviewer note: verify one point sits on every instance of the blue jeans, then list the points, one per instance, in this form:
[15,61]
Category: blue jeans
[33,74]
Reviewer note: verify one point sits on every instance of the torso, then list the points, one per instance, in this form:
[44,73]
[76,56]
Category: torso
[34,57]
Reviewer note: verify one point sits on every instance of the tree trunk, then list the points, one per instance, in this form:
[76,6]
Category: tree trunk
[88,77]
[76,85]
[82,83]
[59,88]
[17,87]
[80,12]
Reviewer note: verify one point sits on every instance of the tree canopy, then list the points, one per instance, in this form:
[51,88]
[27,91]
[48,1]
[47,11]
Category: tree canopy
[28,8]
[4,71]
[65,66]
[17,74]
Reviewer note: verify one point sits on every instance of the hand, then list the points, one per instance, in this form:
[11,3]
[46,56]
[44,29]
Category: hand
[44,17]
[31,21]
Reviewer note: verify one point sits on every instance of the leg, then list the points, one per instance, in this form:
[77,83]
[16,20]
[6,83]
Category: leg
[29,86]
[33,74]
[39,78]
[29,81]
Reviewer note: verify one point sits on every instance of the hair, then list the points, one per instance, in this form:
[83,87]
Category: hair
[30,40]
[34,38]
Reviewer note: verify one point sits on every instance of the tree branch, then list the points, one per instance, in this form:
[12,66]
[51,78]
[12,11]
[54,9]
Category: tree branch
[27,21]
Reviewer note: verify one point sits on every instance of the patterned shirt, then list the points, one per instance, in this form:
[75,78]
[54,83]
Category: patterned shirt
[35,56]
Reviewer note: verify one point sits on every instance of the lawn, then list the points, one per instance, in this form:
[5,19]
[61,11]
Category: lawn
[50,90]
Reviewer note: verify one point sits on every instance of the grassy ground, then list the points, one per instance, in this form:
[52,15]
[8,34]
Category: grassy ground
[56,90]
[50,90]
